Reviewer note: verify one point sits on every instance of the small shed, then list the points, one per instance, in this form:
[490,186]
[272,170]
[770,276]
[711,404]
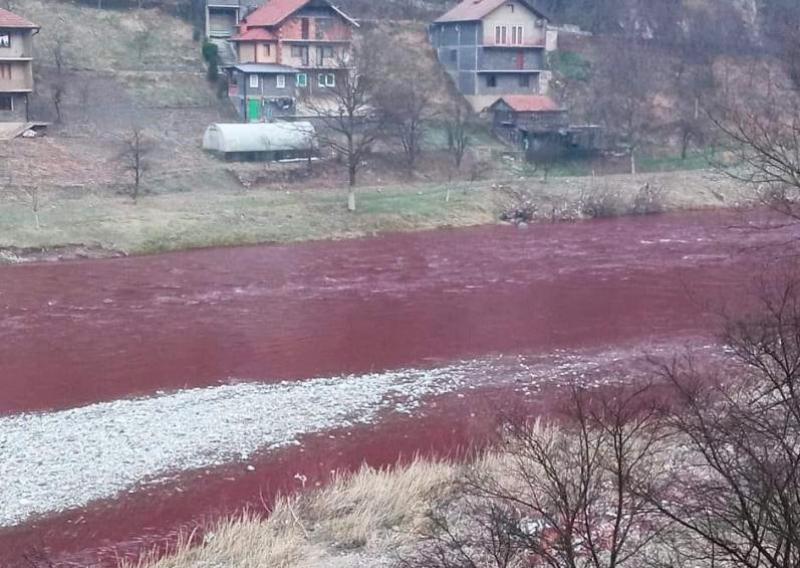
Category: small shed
[261,141]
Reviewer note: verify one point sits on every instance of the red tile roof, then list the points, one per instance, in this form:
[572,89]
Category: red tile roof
[255,34]
[10,20]
[530,103]
[274,12]
[472,10]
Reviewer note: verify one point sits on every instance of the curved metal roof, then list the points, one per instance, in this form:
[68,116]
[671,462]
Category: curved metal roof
[259,137]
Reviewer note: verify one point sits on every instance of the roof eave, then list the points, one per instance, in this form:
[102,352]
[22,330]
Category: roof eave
[350,20]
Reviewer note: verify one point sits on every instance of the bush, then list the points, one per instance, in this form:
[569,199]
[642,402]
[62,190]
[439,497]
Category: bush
[649,200]
[571,66]
[210,52]
[602,202]
[213,72]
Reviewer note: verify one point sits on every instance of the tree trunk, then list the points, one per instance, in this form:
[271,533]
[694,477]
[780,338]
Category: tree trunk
[633,162]
[351,199]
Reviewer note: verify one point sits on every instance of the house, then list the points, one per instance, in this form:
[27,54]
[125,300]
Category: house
[307,42]
[222,17]
[493,47]
[539,126]
[264,141]
[528,113]
[16,66]
[263,91]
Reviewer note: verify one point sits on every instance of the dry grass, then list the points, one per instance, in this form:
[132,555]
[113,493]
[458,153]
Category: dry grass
[367,514]
[209,209]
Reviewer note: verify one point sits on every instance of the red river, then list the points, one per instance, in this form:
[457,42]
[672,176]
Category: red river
[77,333]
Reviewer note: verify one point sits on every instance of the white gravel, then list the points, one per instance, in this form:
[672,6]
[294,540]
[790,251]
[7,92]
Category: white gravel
[52,462]
[63,460]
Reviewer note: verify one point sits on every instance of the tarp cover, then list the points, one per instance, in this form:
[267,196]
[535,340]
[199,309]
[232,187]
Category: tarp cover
[259,137]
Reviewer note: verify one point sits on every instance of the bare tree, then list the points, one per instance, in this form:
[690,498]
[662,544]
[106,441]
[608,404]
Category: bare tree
[58,91]
[559,496]
[136,148]
[736,487]
[763,136]
[405,100]
[350,124]
[142,42]
[32,194]
[59,52]
[624,82]
[457,125]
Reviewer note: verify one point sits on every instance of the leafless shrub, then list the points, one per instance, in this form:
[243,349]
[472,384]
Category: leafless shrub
[601,202]
[522,208]
[736,493]
[650,199]
[557,496]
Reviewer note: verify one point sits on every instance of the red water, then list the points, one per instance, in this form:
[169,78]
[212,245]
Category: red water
[80,332]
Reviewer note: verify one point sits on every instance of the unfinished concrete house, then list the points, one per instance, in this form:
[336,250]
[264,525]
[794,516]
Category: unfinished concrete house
[493,48]
[16,66]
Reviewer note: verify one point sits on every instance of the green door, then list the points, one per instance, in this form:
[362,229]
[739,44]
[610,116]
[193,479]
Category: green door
[253,110]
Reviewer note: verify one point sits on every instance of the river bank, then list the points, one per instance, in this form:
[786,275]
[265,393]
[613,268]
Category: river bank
[65,225]
[273,345]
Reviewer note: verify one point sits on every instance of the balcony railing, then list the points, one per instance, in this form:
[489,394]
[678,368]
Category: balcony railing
[526,45]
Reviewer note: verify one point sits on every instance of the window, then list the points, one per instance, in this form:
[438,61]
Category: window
[5,71]
[266,49]
[525,81]
[280,81]
[517,35]
[491,81]
[5,40]
[324,53]
[326,80]
[454,56]
[6,102]
[300,52]
[305,28]
[323,27]
[254,81]
[302,80]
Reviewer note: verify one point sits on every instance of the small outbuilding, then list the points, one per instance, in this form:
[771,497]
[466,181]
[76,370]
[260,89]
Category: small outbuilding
[270,141]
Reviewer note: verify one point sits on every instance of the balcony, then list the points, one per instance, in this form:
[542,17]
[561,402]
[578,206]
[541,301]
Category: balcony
[527,45]
[510,61]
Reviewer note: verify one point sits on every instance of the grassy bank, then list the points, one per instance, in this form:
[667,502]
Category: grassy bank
[232,215]
[363,520]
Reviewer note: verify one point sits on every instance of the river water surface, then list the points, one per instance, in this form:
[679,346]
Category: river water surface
[584,300]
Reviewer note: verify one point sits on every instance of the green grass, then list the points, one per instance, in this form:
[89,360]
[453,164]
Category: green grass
[175,221]
[570,65]
[219,212]
[697,160]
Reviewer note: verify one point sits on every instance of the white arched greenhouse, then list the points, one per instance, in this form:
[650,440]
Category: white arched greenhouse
[261,141]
